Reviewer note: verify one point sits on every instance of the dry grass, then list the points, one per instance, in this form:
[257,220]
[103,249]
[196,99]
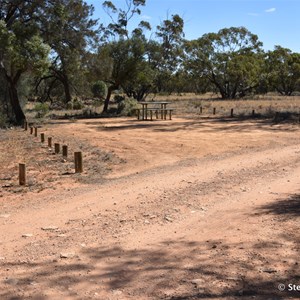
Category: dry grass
[189,105]
[268,105]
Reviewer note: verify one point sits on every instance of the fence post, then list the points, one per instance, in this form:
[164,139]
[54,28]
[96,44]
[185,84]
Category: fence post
[31,130]
[42,137]
[50,142]
[253,113]
[200,109]
[56,148]
[25,126]
[214,111]
[78,162]
[35,131]
[231,113]
[65,151]
[22,174]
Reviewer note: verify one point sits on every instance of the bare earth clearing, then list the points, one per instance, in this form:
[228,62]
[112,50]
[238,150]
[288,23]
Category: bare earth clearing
[181,209]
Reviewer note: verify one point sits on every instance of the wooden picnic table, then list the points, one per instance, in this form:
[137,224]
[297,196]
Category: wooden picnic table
[159,107]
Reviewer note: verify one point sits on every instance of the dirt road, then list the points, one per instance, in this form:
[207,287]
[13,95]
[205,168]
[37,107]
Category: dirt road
[195,210]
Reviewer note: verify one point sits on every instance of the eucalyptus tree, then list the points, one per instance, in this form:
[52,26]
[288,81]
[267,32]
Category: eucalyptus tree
[123,48]
[232,60]
[22,49]
[69,28]
[283,70]
[168,51]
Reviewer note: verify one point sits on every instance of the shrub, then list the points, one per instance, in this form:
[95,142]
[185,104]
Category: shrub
[127,107]
[41,109]
[75,104]
[99,89]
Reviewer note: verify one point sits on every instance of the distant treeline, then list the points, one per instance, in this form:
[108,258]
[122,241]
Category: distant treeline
[54,51]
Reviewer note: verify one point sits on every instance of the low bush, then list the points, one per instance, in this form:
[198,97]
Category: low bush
[41,109]
[127,107]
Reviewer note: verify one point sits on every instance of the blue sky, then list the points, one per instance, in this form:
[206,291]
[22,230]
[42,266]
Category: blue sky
[276,22]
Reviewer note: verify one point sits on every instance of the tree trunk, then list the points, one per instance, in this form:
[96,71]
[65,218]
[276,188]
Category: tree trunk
[107,99]
[106,102]
[15,103]
[66,85]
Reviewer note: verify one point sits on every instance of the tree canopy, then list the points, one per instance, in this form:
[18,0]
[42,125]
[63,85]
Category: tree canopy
[60,50]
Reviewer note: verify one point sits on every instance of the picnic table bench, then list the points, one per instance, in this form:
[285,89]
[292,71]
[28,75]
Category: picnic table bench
[159,108]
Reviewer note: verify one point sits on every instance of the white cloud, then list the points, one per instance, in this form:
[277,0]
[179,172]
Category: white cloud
[145,17]
[270,10]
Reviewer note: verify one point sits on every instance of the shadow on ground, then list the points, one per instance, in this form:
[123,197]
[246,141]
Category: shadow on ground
[205,123]
[169,270]
[286,208]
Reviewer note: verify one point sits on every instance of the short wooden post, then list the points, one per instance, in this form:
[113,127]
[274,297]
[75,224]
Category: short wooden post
[214,111]
[65,151]
[50,142]
[253,113]
[22,174]
[231,113]
[78,162]
[42,137]
[201,109]
[35,131]
[31,130]
[25,126]
[56,148]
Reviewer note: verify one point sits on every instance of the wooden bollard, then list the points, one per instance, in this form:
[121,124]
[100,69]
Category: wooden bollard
[253,113]
[78,162]
[214,111]
[65,151]
[25,126]
[231,113]
[50,142]
[56,148]
[22,174]
[42,137]
[31,130]
[35,131]
[200,109]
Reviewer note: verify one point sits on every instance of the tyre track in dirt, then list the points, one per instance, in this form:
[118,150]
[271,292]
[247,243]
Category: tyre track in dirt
[159,206]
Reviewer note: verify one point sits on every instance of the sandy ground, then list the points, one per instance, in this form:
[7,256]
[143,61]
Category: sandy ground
[181,209]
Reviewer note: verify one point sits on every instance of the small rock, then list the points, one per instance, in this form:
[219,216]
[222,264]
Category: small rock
[5,216]
[146,222]
[67,255]
[198,282]
[269,271]
[50,228]
[169,219]
[117,292]
[26,235]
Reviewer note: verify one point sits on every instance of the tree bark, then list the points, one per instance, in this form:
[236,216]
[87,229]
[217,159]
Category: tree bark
[107,99]
[66,85]
[19,116]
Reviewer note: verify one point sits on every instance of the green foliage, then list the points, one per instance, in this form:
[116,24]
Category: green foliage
[127,107]
[41,110]
[283,70]
[99,89]
[231,59]
[77,104]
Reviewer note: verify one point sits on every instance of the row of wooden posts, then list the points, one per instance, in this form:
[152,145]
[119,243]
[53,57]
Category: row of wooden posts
[231,111]
[77,155]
